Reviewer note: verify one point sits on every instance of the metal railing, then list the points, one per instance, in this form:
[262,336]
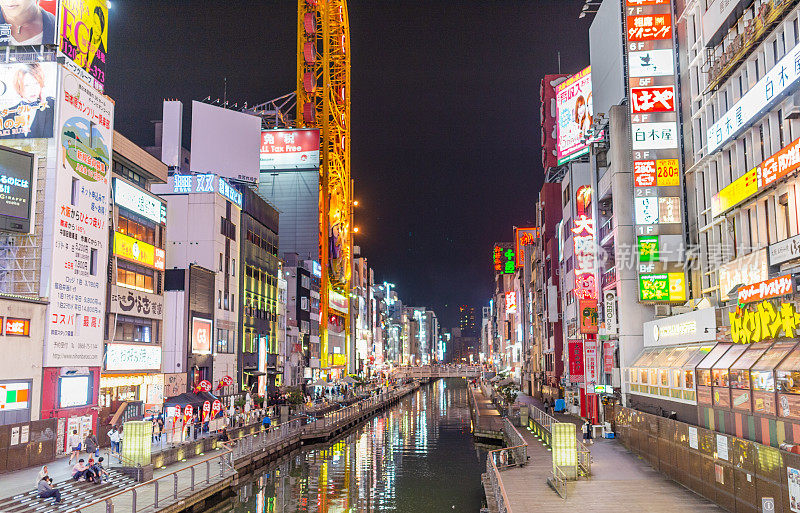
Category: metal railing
[546,421]
[156,493]
[256,442]
[516,442]
[559,481]
[499,491]
[345,415]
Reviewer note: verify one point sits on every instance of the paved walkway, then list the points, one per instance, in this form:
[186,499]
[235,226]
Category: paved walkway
[620,481]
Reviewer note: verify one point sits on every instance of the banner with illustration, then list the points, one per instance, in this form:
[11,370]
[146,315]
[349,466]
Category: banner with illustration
[79,260]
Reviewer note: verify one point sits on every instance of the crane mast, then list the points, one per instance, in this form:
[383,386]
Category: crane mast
[323,102]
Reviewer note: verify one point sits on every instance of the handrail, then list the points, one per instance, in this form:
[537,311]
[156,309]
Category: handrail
[108,500]
[503,504]
[559,481]
[516,440]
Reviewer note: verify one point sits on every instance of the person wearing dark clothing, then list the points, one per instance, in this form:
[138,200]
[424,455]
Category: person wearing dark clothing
[46,490]
[29,24]
[223,436]
[99,472]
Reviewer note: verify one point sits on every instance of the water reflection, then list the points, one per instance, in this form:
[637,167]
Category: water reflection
[416,457]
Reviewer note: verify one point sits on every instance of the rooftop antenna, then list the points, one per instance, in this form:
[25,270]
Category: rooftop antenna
[225,92]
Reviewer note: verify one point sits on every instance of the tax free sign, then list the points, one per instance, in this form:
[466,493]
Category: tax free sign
[781,80]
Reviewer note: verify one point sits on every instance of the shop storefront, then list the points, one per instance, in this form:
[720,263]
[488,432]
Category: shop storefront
[145,390]
[664,378]
[69,395]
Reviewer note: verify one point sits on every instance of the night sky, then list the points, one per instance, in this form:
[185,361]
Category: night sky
[445,113]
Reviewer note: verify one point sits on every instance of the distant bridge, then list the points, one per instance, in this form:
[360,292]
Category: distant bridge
[438,371]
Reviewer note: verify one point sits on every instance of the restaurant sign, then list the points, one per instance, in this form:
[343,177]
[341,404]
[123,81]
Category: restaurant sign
[785,250]
[776,287]
[133,302]
[763,322]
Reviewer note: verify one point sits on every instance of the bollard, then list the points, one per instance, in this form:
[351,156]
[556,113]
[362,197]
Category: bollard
[192,483]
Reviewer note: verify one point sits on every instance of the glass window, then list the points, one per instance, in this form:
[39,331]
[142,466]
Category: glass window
[643,376]
[704,377]
[688,379]
[762,380]
[664,375]
[788,374]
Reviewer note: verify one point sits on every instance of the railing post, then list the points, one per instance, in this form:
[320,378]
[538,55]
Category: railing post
[175,486]
[192,482]
[109,506]
[208,471]
[155,499]
[133,501]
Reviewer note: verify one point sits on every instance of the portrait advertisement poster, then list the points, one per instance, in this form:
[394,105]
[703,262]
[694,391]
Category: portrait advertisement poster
[30,22]
[27,99]
[574,112]
[794,488]
[83,38]
[80,181]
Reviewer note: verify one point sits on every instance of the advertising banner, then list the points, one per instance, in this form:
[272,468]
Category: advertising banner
[590,367]
[174,384]
[127,301]
[290,149]
[225,142]
[16,189]
[511,302]
[27,99]
[138,201]
[14,33]
[201,335]
[744,270]
[610,310]
[523,237]
[548,119]
[608,357]
[575,349]
[78,270]
[133,357]
[137,251]
[83,38]
[574,106]
[776,287]
[588,315]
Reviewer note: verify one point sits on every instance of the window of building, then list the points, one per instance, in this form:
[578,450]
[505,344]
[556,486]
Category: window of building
[225,344]
[130,174]
[137,229]
[233,267]
[220,262]
[304,303]
[780,128]
[232,303]
[134,276]
[226,305]
[135,329]
[219,299]
[93,262]
[305,282]
[783,206]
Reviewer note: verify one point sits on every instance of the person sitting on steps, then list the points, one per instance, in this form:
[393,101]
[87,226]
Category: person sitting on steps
[47,490]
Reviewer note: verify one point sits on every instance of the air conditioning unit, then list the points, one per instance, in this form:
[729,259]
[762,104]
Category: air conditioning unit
[662,310]
[793,111]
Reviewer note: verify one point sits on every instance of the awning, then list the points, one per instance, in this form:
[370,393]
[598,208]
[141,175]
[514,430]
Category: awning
[186,398]
[714,355]
[348,380]
[774,355]
[730,357]
[320,383]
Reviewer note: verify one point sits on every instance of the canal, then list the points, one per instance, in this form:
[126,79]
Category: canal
[417,456]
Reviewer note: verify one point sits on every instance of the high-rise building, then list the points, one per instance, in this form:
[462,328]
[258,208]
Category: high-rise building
[466,320]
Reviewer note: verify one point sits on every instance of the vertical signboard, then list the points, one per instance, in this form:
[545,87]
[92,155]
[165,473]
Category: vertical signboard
[83,38]
[658,198]
[523,237]
[590,365]
[575,349]
[84,132]
[583,237]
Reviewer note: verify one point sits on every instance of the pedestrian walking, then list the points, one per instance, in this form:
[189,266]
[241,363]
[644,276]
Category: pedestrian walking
[587,432]
[91,445]
[74,443]
[115,437]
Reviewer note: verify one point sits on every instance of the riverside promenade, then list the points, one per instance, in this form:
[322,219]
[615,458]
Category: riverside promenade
[619,481]
[191,481]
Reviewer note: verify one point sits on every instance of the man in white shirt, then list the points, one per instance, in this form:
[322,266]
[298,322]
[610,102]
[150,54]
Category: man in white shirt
[74,445]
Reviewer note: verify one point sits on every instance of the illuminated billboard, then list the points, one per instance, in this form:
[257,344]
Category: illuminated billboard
[83,38]
[16,186]
[81,186]
[137,251]
[523,237]
[290,149]
[201,335]
[511,302]
[574,107]
[504,258]
[27,100]
[548,117]
[28,23]
[139,201]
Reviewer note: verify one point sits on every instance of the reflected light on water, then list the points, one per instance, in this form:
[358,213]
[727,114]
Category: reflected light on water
[416,456]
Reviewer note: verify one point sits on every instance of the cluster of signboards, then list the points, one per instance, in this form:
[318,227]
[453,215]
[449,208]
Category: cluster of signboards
[658,198]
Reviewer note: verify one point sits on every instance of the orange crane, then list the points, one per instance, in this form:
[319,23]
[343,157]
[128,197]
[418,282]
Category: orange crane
[323,102]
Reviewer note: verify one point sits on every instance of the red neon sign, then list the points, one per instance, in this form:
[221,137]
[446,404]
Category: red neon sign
[652,99]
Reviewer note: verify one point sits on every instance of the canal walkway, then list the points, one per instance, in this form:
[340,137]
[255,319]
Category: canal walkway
[619,480]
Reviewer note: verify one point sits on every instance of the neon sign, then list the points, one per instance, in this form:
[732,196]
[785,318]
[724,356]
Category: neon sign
[583,239]
[511,302]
